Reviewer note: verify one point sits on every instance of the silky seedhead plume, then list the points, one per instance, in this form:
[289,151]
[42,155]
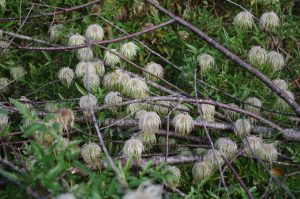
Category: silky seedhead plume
[133,148]
[227,146]
[65,117]
[253,144]
[183,123]
[281,104]
[206,62]
[113,98]
[136,88]
[129,50]
[134,108]
[282,84]
[91,81]
[257,56]
[91,153]
[208,112]
[66,76]
[85,54]
[242,127]
[110,58]
[86,102]
[83,67]
[146,190]
[3,121]
[149,122]
[275,61]
[4,83]
[50,107]
[155,69]
[202,170]
[214,157]
[148,139]
[76,40]
[115,80]
[268,152]
[94,32]
[269,21]
[56,32]
[253,105]
[65,196]
[244,20]
[17,73]
[161,107]
[172,176]
[98,65]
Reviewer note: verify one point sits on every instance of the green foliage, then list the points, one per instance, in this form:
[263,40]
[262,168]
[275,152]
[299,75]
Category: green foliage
[52,170]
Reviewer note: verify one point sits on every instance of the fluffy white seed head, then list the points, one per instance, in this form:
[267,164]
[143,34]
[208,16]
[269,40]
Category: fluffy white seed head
[202,170]
[56,32]
[111,59]
[3,121]
[257,56]
[99,67]
[115,80]
[4,83]
[139,114]
[269,21]
[183,35]
[65,196]
[206,62]
[66,76]
[85,54]
[184,151]
[136,88]
[281,104]
[76,40]
[129,50]
[149,122]
[230,113]
[183,123]
[145,191]
[148,139]
[61,144]
[214,157]
[268,152]
[44,139]
[65,117]
[91,79]
[155,69]
[255,143]
[133,148]
[17,73]
[94,32]
[113,98]
[3,4]
[242,127]
[181,108]
[134,108]
[172,176]
[83,67]
[86,102]
[50,107]
[227,146]
[91,153]
[281,84]
[244,20]
[161,107]
[253,105]
[208,111]
[275,60]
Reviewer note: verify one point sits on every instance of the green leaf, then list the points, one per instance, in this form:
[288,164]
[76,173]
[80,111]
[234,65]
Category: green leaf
[21,108]
[81,90]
